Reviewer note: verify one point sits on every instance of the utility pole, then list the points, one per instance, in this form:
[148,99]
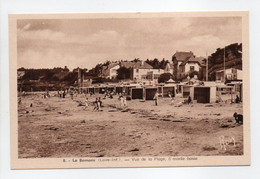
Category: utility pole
[224,65]
[207,66]
[79,79]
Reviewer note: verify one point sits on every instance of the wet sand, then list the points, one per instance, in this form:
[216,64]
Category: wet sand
[57,127]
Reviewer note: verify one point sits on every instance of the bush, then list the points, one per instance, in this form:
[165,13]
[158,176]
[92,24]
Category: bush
[165,77]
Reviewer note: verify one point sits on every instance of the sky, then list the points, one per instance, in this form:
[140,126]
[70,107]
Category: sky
[48,43]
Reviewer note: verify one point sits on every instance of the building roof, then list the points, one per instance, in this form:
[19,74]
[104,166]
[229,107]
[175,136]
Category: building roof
[192,59]
[136,65]
[182,56]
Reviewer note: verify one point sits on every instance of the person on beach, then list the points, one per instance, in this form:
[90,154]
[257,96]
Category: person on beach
[121,98]
[99,100]
[189,100]
[172,100]
[169,94]
[96,105]
[71,95]
[48,94]
[124,101]
[156,96]
[237,99]
[86,103]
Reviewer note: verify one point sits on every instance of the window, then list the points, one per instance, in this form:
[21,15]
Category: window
[191,68]
[137,70]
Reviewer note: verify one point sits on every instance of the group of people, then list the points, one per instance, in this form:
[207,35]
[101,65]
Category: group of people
[97,104]
[62,93]
[109,94]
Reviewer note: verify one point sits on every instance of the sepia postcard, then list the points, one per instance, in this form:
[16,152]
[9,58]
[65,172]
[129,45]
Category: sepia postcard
[101,90]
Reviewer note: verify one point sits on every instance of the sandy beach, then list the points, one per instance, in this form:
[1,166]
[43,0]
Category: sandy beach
[60,127]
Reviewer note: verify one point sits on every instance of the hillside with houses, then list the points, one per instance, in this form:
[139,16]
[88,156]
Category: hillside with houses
[233,59]
[182,66]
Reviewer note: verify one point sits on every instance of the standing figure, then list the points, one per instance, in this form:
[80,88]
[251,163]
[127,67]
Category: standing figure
[169,94]
[237,99]
[99,104]
[64,94]
[71,95]
[156,96]
[86,103]
[189,100]
[124,101]
[121,98]
[95,105]
[172,100]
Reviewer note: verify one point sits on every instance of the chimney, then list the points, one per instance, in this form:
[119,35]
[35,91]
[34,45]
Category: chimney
[142,62]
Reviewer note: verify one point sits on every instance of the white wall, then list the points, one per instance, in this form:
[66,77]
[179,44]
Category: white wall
[113,72]
[188,65]
[141,72]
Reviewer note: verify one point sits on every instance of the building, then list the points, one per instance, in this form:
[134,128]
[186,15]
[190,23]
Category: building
[169,68]
[231,74]
[177,59]
[139,69]
[192,64]
[110,71]
[185,63]
[200,94]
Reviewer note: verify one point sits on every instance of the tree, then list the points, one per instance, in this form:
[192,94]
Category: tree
[164,77]
[123,73]
[136,60]
[163,63]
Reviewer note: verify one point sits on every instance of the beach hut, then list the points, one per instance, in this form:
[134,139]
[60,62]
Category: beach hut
[168,88]
[96,90]
[137,93]
[101,89]
[185,90]
[91,90]
[160,90]
[127,89]
[110,88]
[119,89]
[203,94]
[226,93]
[84,90]
[150,92]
